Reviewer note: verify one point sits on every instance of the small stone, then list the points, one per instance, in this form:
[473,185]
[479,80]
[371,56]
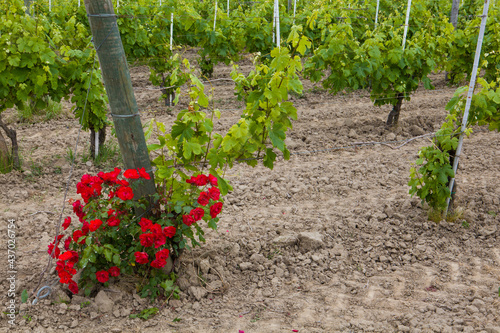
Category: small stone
[198,292]
[246,266]
[402,328]
[74,323]
[103,302]
[116,313]
[93,315]
[258,258]
[286,240]
[488,230]
[316,257]
[88,163]
[125,312]
[74,307]
[492,329]
[478,303]
[205,266]
[175,303]
[116,330]
[471,309]
[310,241]
[390,137]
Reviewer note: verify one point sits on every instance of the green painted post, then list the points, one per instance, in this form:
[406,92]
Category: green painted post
[121,97]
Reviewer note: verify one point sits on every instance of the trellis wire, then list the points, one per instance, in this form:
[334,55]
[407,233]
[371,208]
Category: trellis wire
[469,100]
[406,23]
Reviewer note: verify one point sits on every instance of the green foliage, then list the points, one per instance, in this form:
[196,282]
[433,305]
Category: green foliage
[145,314]
[429,178]
[377,61]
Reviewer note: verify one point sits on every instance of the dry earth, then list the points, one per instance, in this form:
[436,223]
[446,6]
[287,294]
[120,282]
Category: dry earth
[329,241]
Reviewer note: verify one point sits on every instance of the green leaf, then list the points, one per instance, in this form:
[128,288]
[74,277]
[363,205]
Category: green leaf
[24,296]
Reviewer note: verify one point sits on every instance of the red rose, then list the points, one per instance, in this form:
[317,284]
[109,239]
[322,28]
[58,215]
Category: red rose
[56,253]
[213,180]
[159,239]
[158,263]
[215,209]
[73,287]
[203,199]
[144,174]
[109,177]
[145,224]
[169,231]
[85,227]
[156,229]
[187,220]
[66,223]
[114,271]
[95,224]
[214,193]
[74,257]
[197,213]
[77,234]
[65,256]
[201,180]
[102,276]
[147,240]
[113,221]
[111,212]
[131,174]
[162,255]
[67,242]
[78,209]
[141,257]
[125,193]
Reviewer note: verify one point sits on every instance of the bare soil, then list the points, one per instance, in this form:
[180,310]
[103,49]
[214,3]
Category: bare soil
[329,241]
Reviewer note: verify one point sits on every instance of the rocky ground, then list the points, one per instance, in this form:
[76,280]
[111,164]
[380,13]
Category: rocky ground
[329,241]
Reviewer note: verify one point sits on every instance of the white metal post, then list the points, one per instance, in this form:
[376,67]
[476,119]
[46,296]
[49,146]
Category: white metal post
[50,5]
[278,38]
[96,151]
[274,22]
[294,9]
[376,13]
[469,98]
[227,8]
[171,29]
[406,23]
[215,15]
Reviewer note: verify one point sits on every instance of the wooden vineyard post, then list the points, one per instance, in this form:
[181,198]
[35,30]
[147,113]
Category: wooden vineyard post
[116,75]
[468,102]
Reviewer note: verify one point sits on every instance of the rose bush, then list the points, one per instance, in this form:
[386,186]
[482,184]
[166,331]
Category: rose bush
[112,239]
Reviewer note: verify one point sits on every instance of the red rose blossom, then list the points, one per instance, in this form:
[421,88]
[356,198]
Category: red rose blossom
[113,221]
[66,255]
[125,193]
[187,220]
[203,199]
[197,213]
[56,253]
[145,224]
[158,263]
[144,174]
[215,209]
[102,276]
[147,240]
[77,234]
[95,224]
[67,242]
[162,255]
[131,174]
[114,271]
[159,240]
[73,287]
[214,193]
[66,223]
[141,257]
[213,180]
[169,231]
